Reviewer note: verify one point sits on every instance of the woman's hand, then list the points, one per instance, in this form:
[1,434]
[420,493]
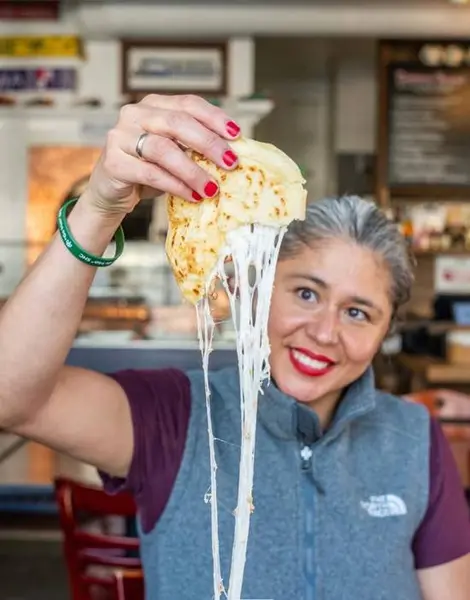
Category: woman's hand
[170,123]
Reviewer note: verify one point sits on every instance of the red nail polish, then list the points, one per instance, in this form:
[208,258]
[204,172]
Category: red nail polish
[229,158]
[232,128]
[196,196]
[211,189]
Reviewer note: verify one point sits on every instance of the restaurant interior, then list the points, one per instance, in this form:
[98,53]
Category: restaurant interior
[339,87]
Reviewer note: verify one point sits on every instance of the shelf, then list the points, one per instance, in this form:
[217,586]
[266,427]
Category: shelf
[434,370]
[256,107]
[432,326]
[431,253]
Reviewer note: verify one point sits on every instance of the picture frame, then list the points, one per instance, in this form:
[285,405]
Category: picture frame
[174,67]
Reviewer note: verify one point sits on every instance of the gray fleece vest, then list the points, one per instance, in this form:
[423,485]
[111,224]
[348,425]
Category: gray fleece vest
[335,514]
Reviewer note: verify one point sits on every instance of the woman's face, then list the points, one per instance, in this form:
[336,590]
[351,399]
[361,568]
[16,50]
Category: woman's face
[329,314]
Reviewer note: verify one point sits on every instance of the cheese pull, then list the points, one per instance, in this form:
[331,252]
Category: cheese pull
[266,188]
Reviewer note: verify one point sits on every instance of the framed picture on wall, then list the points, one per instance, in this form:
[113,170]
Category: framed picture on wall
[174,67]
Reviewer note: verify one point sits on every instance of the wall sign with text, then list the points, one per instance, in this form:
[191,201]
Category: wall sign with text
[424,123]
[452,275]
[53,46]
[34,79]
[13,10]
[174,67]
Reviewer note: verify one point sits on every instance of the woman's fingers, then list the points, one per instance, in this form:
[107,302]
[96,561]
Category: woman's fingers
[166,153]
[193,134]
[180,127]
[213,117]
[150,175]
[169,124]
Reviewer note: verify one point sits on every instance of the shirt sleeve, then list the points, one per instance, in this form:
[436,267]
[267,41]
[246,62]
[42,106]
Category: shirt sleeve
[444,533]
[160,407]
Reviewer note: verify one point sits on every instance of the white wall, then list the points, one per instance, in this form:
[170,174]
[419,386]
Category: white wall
[325,97]
[356,96]
[99,77]
[325,102]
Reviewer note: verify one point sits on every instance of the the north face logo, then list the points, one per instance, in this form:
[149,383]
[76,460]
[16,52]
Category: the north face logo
[385,506]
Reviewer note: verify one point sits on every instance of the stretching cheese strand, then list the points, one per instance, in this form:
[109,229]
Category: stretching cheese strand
[205,328]
[250,247]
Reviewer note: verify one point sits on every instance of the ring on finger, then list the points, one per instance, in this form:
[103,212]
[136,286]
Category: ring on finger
[139,147]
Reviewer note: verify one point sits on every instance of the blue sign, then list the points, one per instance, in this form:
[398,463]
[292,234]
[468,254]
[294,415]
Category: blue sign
[461,312]
[37,79]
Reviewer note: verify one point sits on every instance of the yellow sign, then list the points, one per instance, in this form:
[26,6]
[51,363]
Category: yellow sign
[54,46]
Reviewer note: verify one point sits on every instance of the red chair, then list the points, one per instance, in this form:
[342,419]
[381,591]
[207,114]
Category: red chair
[99,566]
[129,584]
[452,408]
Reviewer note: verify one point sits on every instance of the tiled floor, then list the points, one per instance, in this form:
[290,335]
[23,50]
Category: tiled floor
[32,570]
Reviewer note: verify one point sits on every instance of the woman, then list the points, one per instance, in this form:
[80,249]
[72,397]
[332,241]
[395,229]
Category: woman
[356,494]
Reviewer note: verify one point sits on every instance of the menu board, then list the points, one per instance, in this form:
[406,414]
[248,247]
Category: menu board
[424,141]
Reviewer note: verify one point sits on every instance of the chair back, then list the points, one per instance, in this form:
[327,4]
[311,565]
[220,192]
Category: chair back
[129,584]
[101,565]
[452,409]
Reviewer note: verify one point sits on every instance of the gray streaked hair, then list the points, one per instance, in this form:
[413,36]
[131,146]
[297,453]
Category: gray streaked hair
[360,221]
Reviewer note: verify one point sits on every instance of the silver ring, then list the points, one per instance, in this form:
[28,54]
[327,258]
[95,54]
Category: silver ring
[140,145]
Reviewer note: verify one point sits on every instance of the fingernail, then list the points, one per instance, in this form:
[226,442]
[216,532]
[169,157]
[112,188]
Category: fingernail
[211,189]
[229,158]
[232,128]
[196,196]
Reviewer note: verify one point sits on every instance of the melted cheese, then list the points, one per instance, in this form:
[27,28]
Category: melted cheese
[253,249]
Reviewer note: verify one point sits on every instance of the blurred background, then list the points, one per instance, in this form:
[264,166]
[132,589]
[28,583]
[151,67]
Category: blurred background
[369,98]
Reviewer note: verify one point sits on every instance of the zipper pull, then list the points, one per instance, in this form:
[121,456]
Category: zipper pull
[306,458]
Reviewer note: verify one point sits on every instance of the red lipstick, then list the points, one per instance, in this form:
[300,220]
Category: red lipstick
[308,369]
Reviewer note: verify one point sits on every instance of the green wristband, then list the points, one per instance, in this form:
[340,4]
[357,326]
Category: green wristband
[75,248]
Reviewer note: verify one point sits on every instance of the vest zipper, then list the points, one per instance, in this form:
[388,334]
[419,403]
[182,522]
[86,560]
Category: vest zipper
[306,454]
[306,463]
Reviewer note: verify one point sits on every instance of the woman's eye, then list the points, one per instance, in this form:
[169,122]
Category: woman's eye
[307,295]
[357,314]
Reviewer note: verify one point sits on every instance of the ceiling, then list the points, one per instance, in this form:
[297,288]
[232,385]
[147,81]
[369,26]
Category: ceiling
[348,3]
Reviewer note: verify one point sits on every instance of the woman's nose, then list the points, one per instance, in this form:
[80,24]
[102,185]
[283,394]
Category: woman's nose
[324,328]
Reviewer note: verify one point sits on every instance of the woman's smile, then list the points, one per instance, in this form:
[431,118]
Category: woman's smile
[309,363]
[330,311]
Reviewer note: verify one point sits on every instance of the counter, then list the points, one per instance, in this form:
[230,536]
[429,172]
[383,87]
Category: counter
[143,354]
[28,471]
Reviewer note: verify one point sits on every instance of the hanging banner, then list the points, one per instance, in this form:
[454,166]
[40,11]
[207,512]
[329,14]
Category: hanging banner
[13,10]
[54,46]
[26,80]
